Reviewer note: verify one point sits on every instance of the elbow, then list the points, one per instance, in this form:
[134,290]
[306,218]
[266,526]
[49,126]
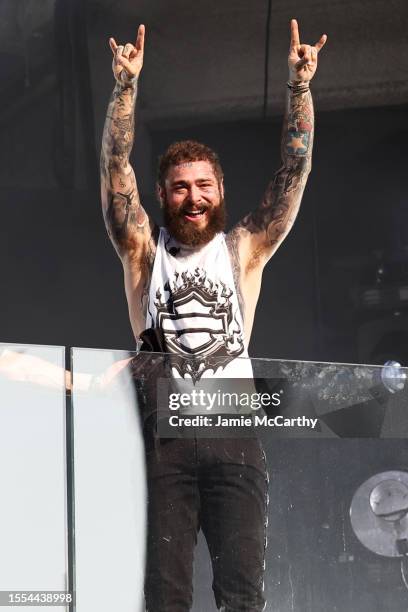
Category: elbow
[295,164]
[113,162]
[303,169]
[304,165]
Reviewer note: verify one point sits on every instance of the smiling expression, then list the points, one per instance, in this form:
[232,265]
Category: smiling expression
[193,202]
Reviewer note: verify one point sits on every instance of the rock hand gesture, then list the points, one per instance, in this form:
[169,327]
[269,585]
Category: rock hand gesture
[128,59]
[302,60]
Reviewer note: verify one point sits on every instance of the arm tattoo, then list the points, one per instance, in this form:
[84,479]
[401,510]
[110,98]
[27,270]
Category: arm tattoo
[148,262]
[232,244]
[273,219]
[123,213]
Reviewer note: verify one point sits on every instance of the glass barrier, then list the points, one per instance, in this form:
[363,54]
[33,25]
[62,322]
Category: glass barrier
[109,477]
[33,511]
[222,474]
[208,446]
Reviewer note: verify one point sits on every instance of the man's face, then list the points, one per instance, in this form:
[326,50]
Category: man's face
[193,203]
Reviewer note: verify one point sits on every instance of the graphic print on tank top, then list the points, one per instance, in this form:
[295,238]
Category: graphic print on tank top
[193,301]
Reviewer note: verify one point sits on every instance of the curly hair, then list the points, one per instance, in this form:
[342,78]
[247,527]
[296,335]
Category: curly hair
[187,151]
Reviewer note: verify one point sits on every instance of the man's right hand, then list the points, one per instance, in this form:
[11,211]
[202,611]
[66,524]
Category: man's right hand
[128,59]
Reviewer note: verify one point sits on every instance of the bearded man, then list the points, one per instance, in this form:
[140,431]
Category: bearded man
[199,288]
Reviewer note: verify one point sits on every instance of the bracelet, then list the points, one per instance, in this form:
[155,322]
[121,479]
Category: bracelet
[298,87]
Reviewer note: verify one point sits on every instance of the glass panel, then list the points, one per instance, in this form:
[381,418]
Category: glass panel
[331,439]
[109,476]
[33,510]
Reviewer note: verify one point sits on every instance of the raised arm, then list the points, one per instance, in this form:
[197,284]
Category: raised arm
[127,223]
[259,234]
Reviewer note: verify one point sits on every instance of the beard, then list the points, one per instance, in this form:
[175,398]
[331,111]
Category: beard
[185,232]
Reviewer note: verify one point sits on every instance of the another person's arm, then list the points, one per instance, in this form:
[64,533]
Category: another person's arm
[25,368]
[260,233]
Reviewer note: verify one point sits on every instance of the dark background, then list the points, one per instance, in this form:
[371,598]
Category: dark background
[337,290]
[204,78]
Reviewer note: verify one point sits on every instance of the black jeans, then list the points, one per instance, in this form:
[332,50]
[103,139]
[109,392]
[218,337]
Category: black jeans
[220,486]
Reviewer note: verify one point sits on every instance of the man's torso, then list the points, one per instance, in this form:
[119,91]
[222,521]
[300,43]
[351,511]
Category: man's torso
[139,271]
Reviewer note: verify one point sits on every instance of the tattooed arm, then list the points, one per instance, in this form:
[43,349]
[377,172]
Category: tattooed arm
[126,221]
[133,234]
[261,232]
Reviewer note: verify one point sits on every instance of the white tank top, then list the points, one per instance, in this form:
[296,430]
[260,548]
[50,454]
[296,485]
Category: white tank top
[193,300]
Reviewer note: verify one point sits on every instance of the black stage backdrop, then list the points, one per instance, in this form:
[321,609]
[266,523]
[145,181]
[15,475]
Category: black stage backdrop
[61,282]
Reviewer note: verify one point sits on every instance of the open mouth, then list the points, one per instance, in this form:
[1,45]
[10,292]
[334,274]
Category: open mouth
[195,214]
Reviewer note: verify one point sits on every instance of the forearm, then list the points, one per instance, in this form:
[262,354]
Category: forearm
[282,198]
[298,129]
[26,368]
[123,213]
[118,133]
[284,194]
[23,367]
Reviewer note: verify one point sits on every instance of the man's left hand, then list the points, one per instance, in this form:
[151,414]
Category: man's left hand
[302,60]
